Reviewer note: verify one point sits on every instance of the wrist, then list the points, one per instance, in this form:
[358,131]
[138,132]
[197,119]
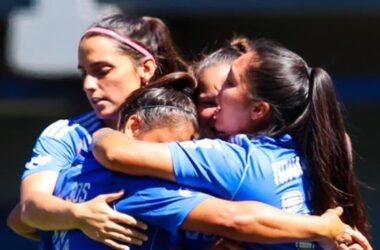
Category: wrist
[76,212]
[324,231]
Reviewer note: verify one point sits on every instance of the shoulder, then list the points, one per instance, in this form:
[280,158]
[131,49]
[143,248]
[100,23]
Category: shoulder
[83,124]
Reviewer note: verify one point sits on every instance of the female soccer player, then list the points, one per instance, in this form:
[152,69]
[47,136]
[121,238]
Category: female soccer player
[211,72]
[116,56]
[288,141]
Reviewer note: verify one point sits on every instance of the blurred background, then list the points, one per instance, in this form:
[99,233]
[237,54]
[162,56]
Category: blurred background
[39,82]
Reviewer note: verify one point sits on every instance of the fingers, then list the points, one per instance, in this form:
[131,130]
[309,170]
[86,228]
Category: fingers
[117,236]
[343,246]
[113,196]
[129,220]
[360,239]
[116,229]
[355,247]
[123,218]
[113,244]
[346,238]
[125,239]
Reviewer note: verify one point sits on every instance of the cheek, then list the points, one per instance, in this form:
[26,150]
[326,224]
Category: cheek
[224,99]
[122,86]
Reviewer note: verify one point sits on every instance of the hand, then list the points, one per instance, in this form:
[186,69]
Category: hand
[226,244]
[339,232]
[360,242]
[101,223]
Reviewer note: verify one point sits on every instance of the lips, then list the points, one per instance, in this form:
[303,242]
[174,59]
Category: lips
[97,100]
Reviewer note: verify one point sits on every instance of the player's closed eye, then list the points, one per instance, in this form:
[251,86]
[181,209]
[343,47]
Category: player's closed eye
[103,71]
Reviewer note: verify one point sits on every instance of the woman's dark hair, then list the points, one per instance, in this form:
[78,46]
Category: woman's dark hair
[149,32]
[303,103]
[225,55]
[165,102]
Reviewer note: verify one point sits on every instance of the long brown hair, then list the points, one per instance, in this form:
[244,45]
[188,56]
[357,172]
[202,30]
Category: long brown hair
[303,103]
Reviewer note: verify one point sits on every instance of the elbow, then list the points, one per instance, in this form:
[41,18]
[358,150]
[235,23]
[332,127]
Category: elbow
[15,222]
[25,208]
[106,156]
[12,222]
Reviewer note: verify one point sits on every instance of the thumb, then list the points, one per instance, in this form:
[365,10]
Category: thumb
[339,211]
[113,196]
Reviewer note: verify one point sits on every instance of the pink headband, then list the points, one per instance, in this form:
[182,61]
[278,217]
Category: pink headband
[123,39]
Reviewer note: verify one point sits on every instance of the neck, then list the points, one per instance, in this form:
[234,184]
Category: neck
[111,123]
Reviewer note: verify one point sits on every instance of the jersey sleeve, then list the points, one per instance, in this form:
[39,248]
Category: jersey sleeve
[54,149]
[215,166]
[161,203]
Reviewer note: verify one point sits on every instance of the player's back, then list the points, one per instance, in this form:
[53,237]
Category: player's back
[158,203]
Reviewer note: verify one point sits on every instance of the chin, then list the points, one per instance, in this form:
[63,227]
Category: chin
[223,136]
[104,115]
[217,134]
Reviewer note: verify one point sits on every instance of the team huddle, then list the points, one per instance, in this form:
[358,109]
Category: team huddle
[243,149]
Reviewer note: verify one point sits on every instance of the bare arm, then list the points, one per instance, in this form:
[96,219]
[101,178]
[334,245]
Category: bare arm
[40,209]
[243,221]
[118,152]
[260,223]
[19,227]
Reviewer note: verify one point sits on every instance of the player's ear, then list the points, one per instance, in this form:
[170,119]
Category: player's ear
[132,127]
[146,70]
[260,110]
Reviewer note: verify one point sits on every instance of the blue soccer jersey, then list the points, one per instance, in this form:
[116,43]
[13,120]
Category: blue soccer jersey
[60,144]
[162,205]
[264,169]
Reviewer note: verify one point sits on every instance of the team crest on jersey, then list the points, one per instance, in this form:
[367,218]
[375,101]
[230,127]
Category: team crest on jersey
[38,160]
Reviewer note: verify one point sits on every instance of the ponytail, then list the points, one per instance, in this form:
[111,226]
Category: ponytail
[167,54]
[324,141]
[303,104]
